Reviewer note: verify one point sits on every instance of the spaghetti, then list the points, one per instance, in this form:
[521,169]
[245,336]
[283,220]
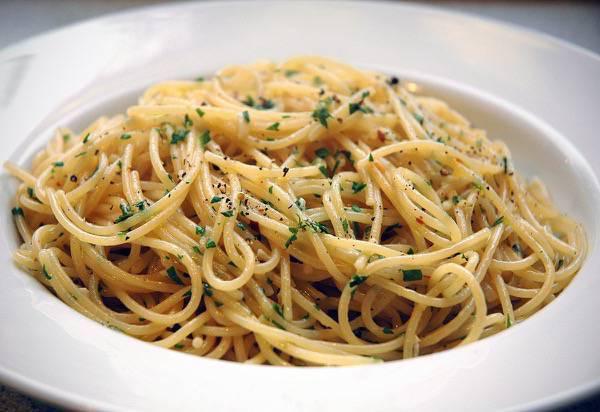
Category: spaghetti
[303,213]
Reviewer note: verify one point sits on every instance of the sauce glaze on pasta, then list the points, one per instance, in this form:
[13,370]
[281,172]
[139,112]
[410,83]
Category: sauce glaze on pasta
[303,213]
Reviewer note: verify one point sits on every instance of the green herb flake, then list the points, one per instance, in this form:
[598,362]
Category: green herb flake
[246,116]
[125,136]
[241,226]
[80,154]
[86,138]
[215,199]
[227,213]
[205,138]
[66,137]
[187,122]
[178,346]
[200,112]
[358,186]
[388,331]
[210,244]
[278,309]
[498,221]
[290,73]
[419,118]
[322,152]
[345,225]
[271,189]
[126,212]
[456,199]
[412,275]
[17,211]
[172,272]
[58,164]
[279,325]
[370,157]
[356,209]
[356,280]
[179,136]
[274,126]
[321,114]
[508,322]
[196,249]
[324,171]
[45,272]
[200,230]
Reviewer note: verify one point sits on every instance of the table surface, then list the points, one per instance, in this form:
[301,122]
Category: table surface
[576,22]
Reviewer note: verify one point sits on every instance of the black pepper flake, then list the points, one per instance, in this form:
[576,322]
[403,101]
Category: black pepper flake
[285,171]
[73,178]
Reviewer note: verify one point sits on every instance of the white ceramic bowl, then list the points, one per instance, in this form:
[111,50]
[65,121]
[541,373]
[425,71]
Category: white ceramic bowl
[537,93]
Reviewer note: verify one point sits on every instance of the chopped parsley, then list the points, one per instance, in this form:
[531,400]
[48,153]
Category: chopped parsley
[358,186]
[205,138]
[274,126]
[321,114]
[370,157]
[388,331]
[263,104]
[498,221]
[86,138]
[187,122]
[227,213]
[17,211]
[200,112]
[58,164]
[356,209]
[412,274]
[456,199]
[345,225]
[210,244]
[246,116]
[356,280]
[179,136]
[322,152]
[126,212]
[45,272]
[278,309]
[271,189]
[125,136]
[196,249]
[290,73]
[324,171]
[215,199]
[200,230]
[419,118]
[172,272]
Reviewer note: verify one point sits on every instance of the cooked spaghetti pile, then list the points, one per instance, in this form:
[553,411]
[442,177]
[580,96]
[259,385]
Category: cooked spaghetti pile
[293,214]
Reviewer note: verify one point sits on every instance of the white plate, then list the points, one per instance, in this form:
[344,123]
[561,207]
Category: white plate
[546,100]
